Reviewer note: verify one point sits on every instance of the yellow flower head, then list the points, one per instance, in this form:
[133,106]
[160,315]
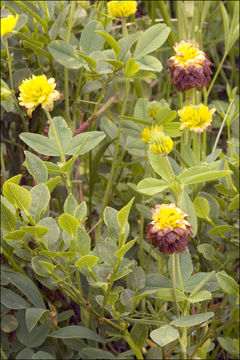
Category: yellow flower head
[169,216]
[146,133]
[8,24]
[122,8]
[38,90]
[169,231]
[160,143]
[189,67]
[196,117]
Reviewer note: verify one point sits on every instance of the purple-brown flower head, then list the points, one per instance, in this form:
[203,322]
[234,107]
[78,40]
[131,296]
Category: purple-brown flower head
[189,67]
[169,231]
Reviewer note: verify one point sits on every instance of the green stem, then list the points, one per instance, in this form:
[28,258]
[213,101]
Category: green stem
[92,274]
[179,272]
[9,60]
[222,125]
[66,77]
[4,175]
[197,147]
[133,346]
[174,284]
[62,156]
[216,74]
[12,262]
[167,20]
[124,26]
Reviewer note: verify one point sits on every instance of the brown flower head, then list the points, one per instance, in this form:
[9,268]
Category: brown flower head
[169,231]
[189,67]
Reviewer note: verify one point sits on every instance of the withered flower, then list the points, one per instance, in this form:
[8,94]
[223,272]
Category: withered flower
[189,67]
[169,231]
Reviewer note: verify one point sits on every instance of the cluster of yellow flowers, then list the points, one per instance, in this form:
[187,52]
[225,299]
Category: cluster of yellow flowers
[122,8]
[158,142]
[196,117]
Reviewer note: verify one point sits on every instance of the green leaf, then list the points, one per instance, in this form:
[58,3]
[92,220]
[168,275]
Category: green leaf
[131,68]
[122,216]
[76,332]
[96,354]
[27,287]
[186,267]
[51,238]
[53,182]
[161,166]
[68,223]
[137,279]
[149,63]
[227,283]
[70,204]
[47,265]
[14,235]
[82,241]
[200,178]
[15,180]
[91,41]
[234,204]
[81,211]
[219,230]
[127,42]
[106,250]
[36,231]
[34,338]
[139,334]
[122,251]
[8,220]
[151,186]
[40,143]
[87,261]
[12,300]
[187,206]
[40,200]
[88,59]
[111,41]
[76,142]
[201,280]
[22,19]
[42,355]
[229,345]
[53,32]
[202,207]
[36,167]
[207,250]
[25,354]
[166,294]
[40,268]
[192,320]
[164,335]
[33,315]
[110,219]
[151,40]
[63,52]
[18,196]
[225,25]
[9,323]
[200,296]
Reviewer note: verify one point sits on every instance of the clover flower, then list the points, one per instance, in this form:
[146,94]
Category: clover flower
[189,67]
[169,231]
[122,8]
[196,117]
[158,141]
[38,90]
[8,24]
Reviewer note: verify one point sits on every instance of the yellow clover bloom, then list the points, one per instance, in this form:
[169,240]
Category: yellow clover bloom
[160,143]
[146,133]
[169,231]
[38,90]
[122,8]
[8,24]
[196,117]
[189,67]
